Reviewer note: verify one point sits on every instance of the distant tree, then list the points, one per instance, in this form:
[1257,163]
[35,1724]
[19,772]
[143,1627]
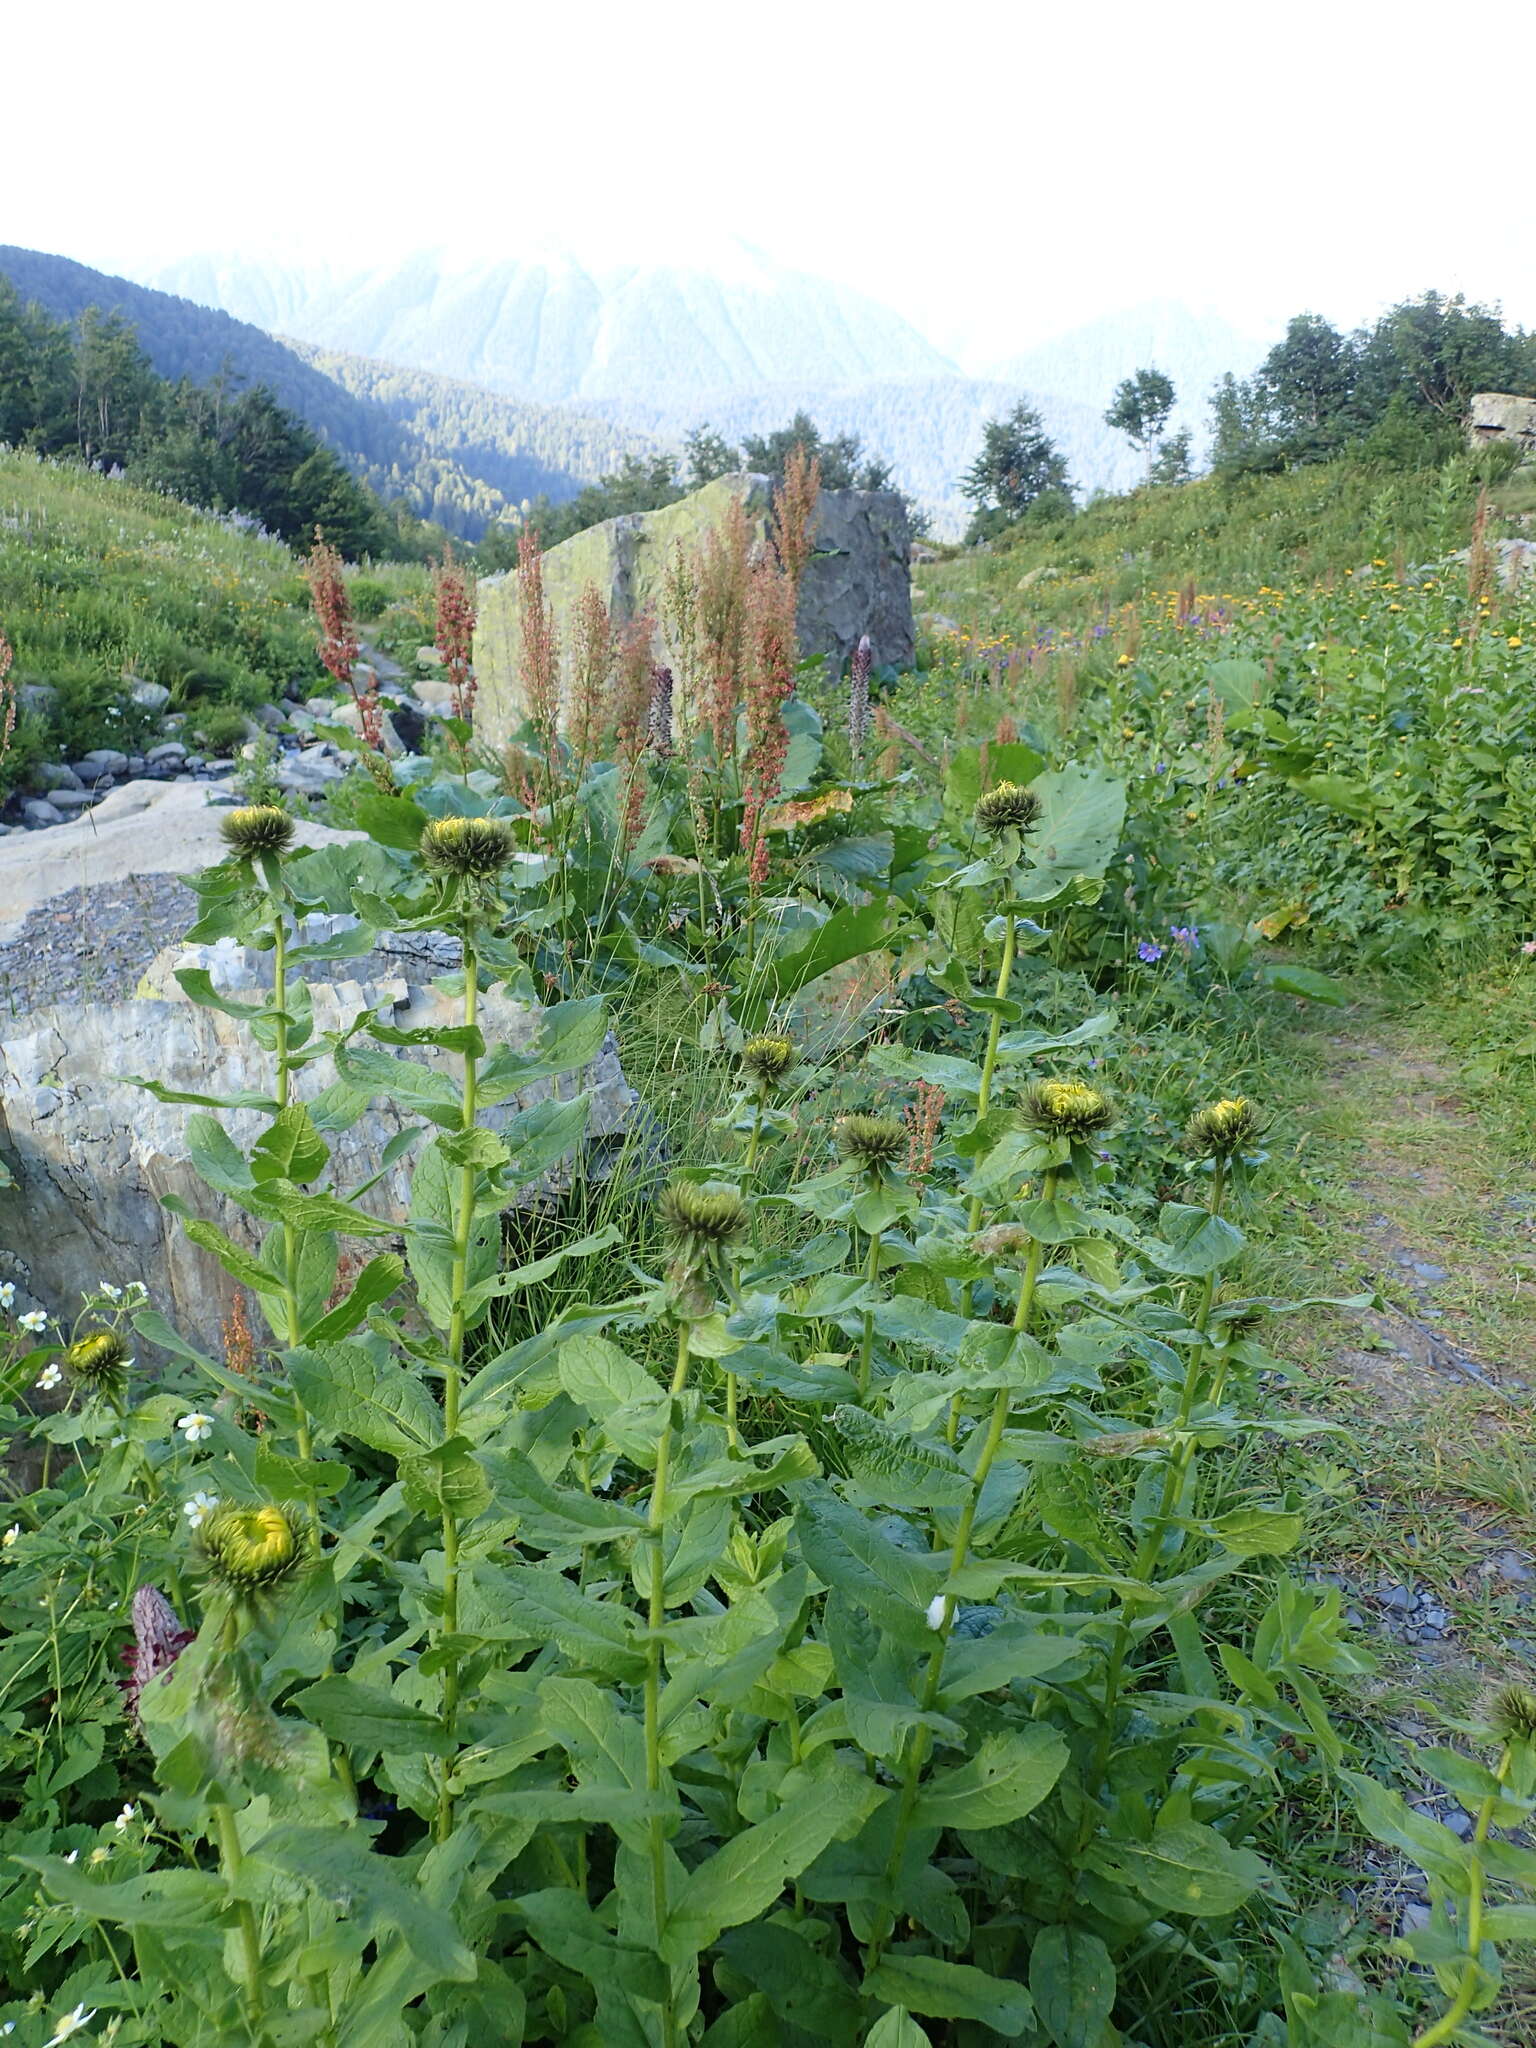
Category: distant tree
[844,464]
[1017,464]
[1309,384]
[1242,434]
[1171,463]
[1140,409]
[707,455]
[117,394]
[641,483]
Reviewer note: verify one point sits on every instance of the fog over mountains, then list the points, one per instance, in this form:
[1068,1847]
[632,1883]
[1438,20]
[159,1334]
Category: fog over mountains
[739,344]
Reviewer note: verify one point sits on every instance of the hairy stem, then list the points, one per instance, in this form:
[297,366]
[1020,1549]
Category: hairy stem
[1449,2023]
[867,1339]
[983,1104]
[655,1527]
[921,1740]
[453,1377]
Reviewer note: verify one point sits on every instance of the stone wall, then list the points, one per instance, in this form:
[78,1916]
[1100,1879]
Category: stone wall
[1501,416]
[858,582]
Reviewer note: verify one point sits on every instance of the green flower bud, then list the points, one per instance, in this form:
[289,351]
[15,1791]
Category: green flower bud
[1223,1128]
[250,1550]
[1514,1714]
[702,1217]
[255,830]
[1007,808]
[769,1059]
[99,1361]
[874,1142]
[472,848]
[1068,1109]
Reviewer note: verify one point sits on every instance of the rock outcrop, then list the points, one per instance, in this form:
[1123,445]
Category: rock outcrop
[1501,416]
[93,1155]
[857,582]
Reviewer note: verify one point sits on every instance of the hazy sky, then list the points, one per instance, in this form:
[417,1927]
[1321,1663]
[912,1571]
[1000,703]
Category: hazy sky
[996,172]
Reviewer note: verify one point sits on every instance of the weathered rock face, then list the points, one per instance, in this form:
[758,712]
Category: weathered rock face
[1501,416]
[92,1155]
[857,582]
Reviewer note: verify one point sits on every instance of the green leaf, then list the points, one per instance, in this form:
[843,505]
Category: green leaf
[417,1089]
[804,1987]
[1007,1777]
[847,1551]
[365,1717]
[198,987]
[553,1516]
[950,1991]
[896,2029]
[1073,1981]
[247,1099]
[566,1928]
[896,1470]
[354,1393]
[1336,793]
[1186,1868]
[1306,982]
[289,1204]
[522,1277]
[375,1283]
[381,1895]
[160,1898]
[447,1479]
[848,934]
[570,1036]
[1256,1532]
[218,1158]
[593,1633]
[742,1880]
[1081,818]
[1007,761]
[238,1263]
[1193,1241]
[290,1149]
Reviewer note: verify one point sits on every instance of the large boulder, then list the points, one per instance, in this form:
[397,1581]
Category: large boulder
[857,582]
[93,1155]
[1502,416]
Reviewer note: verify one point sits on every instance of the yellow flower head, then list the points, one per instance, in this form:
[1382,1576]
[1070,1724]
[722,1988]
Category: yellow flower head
[1223,1128]
[1067,1109]
[255,1549]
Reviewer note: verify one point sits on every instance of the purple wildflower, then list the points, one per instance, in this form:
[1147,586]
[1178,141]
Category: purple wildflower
[858,695]
[1184,934]
[1149,951]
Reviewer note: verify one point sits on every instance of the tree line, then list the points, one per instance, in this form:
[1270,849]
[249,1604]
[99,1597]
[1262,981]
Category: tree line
[85,388]
[1394,392]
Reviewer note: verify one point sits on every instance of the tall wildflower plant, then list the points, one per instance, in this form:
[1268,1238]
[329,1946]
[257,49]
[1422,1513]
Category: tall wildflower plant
[7,697]
[539,659]
[337,644]
[794,515]
[453,597]
[592,659]
[859,670]
[770,682]
[634,668]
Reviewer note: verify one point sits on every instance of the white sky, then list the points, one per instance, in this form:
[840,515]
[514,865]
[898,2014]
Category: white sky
[997,172]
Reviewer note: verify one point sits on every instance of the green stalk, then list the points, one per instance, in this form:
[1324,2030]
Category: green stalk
[657,1617]
[922,1739]
[867,1340]
[284,1068]
[1449,2023]
[757,1134]
[453,1377]
[232,1861]
[1175,1474]
[983,1104]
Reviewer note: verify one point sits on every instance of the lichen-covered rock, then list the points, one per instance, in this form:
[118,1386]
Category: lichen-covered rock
[1501,416]
[857,581]
[93,1155]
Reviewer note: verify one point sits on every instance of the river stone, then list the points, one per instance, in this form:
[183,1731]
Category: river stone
[93,1156]
[48,776]
[857,582]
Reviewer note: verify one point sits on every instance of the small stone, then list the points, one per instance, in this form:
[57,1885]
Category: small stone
[1427,1270]
[1459,1823]
[1512,1566]
[108,760]
[75,799]
[1397,1599]
[51,775]
[269,716]
[171,750]
[1415,1917]
[152,696]
[38,812]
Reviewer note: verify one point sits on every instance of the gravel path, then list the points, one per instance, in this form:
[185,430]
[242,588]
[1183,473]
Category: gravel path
[92,945]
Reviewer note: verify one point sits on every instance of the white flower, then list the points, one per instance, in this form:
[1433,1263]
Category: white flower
[50,1376]
[126,1818]
[73,1856]
[71,2023]
[11,1534]
[199,1507]
[34,1320]
[195,1427]
[8,1300]
[112,1293]
[936,1608]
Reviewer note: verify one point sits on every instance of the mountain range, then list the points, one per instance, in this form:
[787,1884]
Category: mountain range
[470,387]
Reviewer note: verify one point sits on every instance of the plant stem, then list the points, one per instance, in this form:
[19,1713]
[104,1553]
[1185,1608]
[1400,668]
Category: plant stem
[983,1104]
[453,1377]
[922,1738]
[232,1858]
[656,1518]
[867,1340]
[1449,2023]
[1175,1475]
[757,1133]
[284,1090]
